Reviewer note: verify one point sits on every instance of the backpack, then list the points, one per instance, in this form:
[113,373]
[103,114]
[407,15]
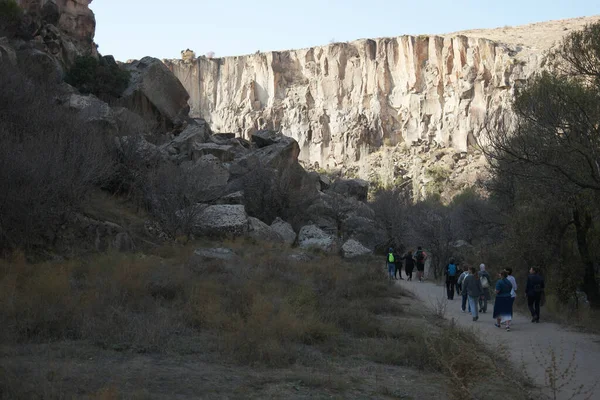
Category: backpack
[452,269]
[391,257]
[420,256]
[484,282]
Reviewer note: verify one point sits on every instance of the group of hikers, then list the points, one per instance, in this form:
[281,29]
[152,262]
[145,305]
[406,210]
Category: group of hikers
[475,286]
[395,261]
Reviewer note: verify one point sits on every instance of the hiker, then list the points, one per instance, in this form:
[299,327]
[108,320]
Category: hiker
[513,281]
[459,272]
[460,281]
[398,264]
[485,279]
[504,303]
[420,256]
[409,265]
[472,287]
[391,263]
[534,292]
[451,271]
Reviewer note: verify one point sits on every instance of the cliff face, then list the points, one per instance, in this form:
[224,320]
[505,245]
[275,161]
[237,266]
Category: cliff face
[342,100]
[63,28]
[345,101]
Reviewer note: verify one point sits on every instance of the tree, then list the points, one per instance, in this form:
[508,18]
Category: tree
[552,146]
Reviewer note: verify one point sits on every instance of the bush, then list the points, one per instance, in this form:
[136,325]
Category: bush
[11,16]
[49,162]
[102,78]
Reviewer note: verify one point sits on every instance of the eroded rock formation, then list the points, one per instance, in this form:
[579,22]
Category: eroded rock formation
[345,101]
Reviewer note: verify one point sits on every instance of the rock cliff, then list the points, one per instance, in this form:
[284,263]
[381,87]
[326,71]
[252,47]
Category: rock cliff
[345,101]
[63,28]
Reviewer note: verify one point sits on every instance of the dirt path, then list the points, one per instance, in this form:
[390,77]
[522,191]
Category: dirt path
[526,340]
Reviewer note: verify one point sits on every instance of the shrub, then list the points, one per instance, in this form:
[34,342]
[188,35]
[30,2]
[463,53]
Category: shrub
[49,162]
[102,78]
[10,17]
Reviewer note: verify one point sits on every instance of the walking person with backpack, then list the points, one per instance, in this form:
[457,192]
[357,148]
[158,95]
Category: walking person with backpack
[534,292]
[451,271]
[472,287]
[485,279]
[420,256]
[461,280]
[390,260]
[398,265]
[409,265]
[503,306]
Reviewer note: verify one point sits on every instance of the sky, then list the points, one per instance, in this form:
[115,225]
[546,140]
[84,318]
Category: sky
[132,29]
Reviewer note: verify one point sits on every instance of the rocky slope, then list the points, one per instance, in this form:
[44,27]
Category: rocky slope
[346,101]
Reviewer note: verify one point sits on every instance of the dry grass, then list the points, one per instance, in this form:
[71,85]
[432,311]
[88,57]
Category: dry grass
[260,310]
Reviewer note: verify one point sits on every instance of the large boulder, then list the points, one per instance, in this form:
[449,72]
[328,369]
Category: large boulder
[365,230]
[265,138]
[222,220]
[280,155]
[258,230]
[94,111]
[155,93]
[353,248]
[222,152]
[284,230]
[7,53]
[356,188]
[310,236]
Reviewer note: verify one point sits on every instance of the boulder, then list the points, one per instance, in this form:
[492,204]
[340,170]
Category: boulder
[41,65]
[258,230]
[232,198]
[365,230]
[324,182]
[138,147]
[155,93]
[94,111]
[310,236]
[356,188]
[222,152]
[221,220]
[265,137]
[130,123]
[353,248]
[280,155]
[284,230]
[185,142]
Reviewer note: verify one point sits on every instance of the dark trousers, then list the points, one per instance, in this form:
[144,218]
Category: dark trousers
[450,282]
[409,274]
[398,271]
[533,302]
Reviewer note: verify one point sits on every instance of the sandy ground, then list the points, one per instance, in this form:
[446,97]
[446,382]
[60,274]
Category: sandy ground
[529,345]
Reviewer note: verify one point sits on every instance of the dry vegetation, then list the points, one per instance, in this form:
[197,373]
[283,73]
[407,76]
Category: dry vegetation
[259,326]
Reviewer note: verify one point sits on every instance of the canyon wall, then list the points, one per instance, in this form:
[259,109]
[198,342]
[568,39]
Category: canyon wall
[345,102]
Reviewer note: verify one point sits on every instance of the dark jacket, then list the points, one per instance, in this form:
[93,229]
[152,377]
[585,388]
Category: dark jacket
[472,286]
[409,262]
[535,285]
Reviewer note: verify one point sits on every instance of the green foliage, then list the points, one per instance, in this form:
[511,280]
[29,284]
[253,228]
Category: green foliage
[100,78]
[10,17]
[439,176]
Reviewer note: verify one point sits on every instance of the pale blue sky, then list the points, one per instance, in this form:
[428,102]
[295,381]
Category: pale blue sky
[136,28]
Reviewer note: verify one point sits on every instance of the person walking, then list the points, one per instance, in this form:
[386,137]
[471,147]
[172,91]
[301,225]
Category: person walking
[513,281]
[460,282]
[420,256]
[398,266]
[472,287]
[504,303]
[409,265]
[485,279]
[534,292]
[451,271]
[390,260]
